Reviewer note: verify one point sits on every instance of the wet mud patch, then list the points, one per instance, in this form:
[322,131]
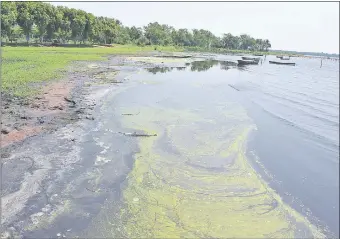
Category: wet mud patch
[12,181]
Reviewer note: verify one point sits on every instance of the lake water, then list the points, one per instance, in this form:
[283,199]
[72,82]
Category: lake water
[225,151]
[193,180]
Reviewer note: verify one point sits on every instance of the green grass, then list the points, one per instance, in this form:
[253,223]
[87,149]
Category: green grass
[23,66]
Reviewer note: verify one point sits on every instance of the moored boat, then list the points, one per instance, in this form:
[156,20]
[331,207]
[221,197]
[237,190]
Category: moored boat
[257,59]
[247,62]
[282,63]
[285,58]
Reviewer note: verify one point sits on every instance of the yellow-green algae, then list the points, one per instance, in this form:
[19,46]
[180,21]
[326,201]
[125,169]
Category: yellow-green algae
[203,187]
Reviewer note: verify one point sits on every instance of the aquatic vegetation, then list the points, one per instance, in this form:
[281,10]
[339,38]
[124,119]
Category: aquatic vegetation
[193,180]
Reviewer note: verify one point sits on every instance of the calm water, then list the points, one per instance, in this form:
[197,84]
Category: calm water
[296,112]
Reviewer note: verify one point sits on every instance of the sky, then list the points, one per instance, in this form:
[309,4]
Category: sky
[297,26]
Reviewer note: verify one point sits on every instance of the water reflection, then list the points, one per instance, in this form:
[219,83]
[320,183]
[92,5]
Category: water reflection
[226,65]
[197,66]
[203,65]
[158,69]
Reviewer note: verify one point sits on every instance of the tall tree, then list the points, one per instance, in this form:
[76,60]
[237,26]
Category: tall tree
[123,36]
[8,18]
[267,44]
[88,30]
[135,33]
[25,17]
[229,41]
[42,14]
[158,34]
[78,23]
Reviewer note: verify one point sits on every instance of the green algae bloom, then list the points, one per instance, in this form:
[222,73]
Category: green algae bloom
[194,180]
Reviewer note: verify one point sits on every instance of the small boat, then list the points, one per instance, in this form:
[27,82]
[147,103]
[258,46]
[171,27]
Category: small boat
[285,58]
[251,58]
[279,57]
[247,62]
[258,55]
[282,63]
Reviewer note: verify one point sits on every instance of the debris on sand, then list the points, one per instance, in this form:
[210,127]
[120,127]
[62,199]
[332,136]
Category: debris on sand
[134,134]
[89,117]
[69,100]
[5,130]
[174,56]
[233,87]
[129,114]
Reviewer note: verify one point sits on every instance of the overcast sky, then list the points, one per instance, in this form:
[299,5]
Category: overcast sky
[302,26]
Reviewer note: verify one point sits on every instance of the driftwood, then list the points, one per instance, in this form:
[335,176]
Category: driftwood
[69,100]
[233,87]
[131,114]
[174,56]
[134,134]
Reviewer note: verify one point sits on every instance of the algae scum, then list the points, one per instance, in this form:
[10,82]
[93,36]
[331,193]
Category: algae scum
[191,177]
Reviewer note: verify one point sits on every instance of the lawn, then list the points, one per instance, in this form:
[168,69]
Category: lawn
[22,66]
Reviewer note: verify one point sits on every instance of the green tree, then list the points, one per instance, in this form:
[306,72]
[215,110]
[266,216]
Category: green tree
[135,33]
[158,34]
[8,18]
[89,25]
[229,41]
[182,37]
[142,41]
[42,14]
[204,38]
[25,17]
[267,44]
[78,23]
[15,33]
[247,42]
[123,36]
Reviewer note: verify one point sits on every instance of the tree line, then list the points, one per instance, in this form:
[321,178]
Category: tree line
[43,22]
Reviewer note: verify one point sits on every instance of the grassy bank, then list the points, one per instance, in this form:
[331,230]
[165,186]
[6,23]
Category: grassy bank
[24,66]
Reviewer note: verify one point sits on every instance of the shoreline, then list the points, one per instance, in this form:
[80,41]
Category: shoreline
[24,166]
[30,162]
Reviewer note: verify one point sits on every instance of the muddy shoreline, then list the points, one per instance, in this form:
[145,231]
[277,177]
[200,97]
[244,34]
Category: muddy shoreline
[41,146]
[26,124]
